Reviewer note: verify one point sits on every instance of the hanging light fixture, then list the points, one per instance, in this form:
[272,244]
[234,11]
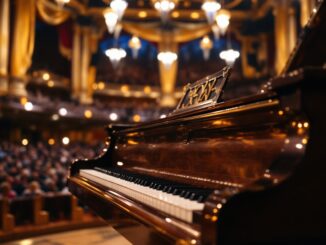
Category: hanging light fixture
[111,20]
[119,7]
[216,31]
[61,3]
[229,55]
[206,45]
[167,58]
[135,44]
[210,7]
[117,30]
[223,20]
[115,55]
[164,7]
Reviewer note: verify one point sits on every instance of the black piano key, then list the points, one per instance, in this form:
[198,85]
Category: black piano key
[200,199]
[180,189]
[192,196]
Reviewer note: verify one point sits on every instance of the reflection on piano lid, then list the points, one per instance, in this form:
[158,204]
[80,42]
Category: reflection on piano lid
[243,171]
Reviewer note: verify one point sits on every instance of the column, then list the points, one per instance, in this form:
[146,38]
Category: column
[75,63]
[168,75]
[85,95]
[22,45]
[306,10]
[4,45]
[292,22]
[93,46]
[281,34]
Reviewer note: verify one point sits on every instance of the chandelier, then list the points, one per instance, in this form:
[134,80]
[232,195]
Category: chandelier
[135,44]
[115,55]
[206,45]
[164,7]
[223,20]
[119,7]
[216,31]
[210,8]
[111,20]
[61,3]
[229,56]
[167,58]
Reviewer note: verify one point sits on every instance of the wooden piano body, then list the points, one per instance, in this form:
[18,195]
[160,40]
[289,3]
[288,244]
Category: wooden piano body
[262,158]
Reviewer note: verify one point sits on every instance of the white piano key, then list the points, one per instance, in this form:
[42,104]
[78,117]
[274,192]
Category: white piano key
[171,204]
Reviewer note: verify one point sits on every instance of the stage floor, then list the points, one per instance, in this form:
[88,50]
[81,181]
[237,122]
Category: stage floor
[96,236]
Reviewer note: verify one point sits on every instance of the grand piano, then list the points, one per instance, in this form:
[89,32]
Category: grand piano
[249,170]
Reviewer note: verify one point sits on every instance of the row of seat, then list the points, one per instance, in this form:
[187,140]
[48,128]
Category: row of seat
[38,210]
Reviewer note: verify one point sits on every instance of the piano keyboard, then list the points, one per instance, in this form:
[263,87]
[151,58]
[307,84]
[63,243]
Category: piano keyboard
[178,200]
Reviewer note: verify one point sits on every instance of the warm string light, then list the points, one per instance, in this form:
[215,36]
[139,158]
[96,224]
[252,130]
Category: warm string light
[63,111]
[51,141]
[25,142]
[65,140]
[136,118]
[28,106]
[113,116]
[46,76]
[88,114]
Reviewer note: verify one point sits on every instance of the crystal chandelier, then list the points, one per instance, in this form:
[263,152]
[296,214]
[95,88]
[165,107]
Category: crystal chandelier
[229,56]
[135,44]
[119,7]
[223,20]
[216,31]
[115,55]
[210,7]
[206,45]
[111,19]
[167,58]
[164,7]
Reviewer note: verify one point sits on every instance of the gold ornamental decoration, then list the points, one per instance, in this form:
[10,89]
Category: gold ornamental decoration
[205,92]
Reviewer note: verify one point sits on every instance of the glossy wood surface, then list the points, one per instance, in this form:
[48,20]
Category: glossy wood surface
[229,148]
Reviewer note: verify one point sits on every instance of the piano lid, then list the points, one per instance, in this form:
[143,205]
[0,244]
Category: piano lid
[310,49]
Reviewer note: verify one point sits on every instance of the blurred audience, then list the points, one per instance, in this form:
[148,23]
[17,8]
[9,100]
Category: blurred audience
[39,168]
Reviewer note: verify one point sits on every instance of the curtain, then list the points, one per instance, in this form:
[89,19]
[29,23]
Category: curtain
[23,37]
[4,36]
[51,13]
[151,32]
